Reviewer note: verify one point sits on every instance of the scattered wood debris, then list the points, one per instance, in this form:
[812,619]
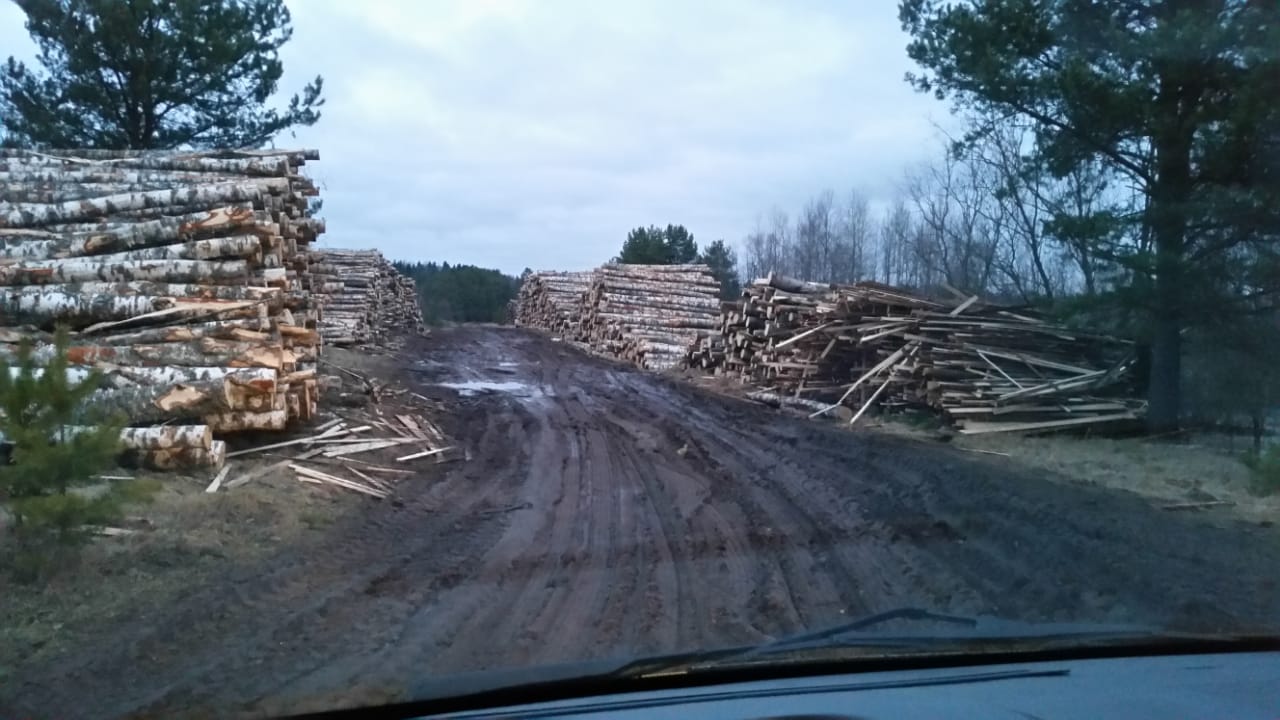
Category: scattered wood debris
[356,451]
[114,532]
[1197,505]
[217,479]
[984,367]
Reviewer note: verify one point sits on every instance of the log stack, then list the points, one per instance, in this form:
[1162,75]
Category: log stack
[553,301]
[364,300]
[650,315]
[179,275]
[983,367]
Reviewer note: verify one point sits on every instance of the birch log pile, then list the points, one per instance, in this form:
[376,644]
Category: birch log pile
[983,367]
[650,315]
[553,301]
[179,275]
[364,300]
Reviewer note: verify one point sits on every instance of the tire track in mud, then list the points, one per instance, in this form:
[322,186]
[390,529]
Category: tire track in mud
[607,512]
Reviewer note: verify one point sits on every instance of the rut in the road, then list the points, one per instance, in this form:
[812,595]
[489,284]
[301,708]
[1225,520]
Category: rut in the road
[610,512]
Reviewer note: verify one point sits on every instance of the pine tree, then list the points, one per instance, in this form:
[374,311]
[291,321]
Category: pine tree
[644,246]
[148,74]
[51,452]
[653,245]
[679,244]
[723,262]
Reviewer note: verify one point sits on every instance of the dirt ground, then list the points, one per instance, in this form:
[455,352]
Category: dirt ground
[603,512]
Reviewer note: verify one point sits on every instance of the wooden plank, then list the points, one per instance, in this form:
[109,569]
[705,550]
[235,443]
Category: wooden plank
[434,433]
[300,441]
[977,428]
[267,469]
[893,357]
[1197,505]
[369,467]
[373,482]
[335,480]
[364,447]
[1052,387]
[998,369]
[217,479]
[426,453]
[964,305]
[891,331]
[805,334]
[879,390]
[326,426]
[408,422]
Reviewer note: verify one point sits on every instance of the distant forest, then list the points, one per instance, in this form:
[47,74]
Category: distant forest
[460,293]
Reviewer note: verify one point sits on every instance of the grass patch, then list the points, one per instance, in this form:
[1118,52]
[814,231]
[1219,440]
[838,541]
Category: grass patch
[182,539]
[1264,469]
[1166,473]
[918,419]
[316,520]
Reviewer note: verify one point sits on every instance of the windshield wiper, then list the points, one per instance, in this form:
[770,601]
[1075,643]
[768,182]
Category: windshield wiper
[958,631]
[981,628]
[823,637]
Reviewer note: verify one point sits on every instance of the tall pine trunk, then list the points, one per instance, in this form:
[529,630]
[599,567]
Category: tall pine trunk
[1167,216]
[1164,389]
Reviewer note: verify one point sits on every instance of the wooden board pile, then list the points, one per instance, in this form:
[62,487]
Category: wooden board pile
[650,315]
[369,448]
[363,298]
[334,456]
[178,275]
[553,301]
[986,368]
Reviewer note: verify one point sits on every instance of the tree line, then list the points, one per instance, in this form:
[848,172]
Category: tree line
[460,293]
[974,220]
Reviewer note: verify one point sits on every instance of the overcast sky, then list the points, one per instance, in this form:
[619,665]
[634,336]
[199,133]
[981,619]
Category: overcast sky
[514,133]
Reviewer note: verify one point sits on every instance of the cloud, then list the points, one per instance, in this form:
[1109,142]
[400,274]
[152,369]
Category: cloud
[513,133]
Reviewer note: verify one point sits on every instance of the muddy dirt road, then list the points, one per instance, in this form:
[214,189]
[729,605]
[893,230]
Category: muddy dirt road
[609,512]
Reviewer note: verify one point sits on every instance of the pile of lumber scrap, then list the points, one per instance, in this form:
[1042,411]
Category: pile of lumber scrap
[553,301]
[364,300]
[178,274]
[650,315]
[983,367]
[367,451]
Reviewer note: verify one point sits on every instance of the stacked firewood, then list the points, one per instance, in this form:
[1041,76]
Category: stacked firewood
[984,367]
[553,301]
[177,274]
[650,315]
[363,299]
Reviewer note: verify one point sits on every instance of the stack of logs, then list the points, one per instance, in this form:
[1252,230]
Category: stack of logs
[178,275]
[650,315]
[362,297]
[553,301]
[986,368]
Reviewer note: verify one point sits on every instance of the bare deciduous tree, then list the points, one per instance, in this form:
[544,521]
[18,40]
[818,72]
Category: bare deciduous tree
[957,243]
[854,240]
